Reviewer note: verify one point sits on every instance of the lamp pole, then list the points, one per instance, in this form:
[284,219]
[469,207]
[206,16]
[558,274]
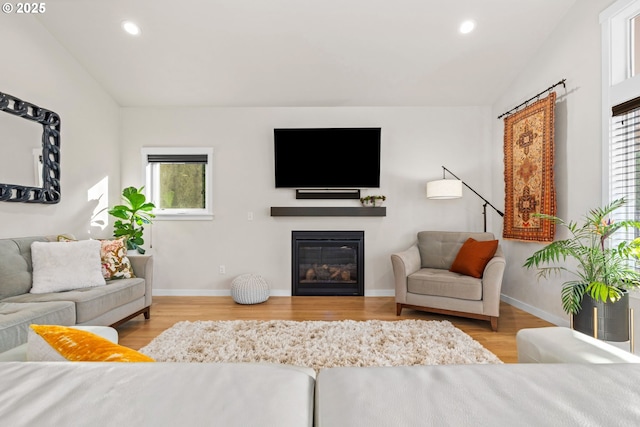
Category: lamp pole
[486,202]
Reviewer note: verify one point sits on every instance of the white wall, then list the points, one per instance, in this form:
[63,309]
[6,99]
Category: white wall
[573,52]
[416,142]
[36,69]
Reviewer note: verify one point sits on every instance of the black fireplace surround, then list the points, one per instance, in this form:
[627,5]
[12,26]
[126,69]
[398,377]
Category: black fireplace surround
[327,263]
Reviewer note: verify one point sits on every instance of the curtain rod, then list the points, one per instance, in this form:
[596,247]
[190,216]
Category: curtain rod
[561,82]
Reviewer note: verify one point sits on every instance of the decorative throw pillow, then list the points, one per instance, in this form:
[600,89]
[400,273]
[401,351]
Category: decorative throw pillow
[78,346]
[115,263]
[473,257]
[38,350]
[113,255]
[61,266]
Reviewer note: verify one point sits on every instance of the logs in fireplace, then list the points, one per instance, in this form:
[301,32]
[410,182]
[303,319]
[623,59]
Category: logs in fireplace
[327,263]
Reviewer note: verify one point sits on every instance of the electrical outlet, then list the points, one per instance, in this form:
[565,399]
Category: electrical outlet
[222,269]
[250,216]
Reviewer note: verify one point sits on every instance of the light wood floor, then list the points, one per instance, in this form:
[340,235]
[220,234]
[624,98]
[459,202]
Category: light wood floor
[166,311]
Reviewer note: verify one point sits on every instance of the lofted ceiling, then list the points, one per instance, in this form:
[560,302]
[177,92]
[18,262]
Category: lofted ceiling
[297,53]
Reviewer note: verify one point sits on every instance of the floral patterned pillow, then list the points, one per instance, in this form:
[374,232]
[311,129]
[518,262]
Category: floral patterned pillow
[113,256]
[115,264]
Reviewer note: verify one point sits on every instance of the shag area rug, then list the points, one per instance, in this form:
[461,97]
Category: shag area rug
[319,344]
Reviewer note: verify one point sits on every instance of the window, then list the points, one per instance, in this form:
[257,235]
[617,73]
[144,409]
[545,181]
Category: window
[624,164]
[621,109]
[179,182]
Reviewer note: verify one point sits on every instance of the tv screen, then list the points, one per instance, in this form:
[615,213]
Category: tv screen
[327,158]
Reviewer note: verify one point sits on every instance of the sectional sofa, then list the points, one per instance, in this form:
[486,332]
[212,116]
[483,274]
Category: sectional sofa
[36,394]
[600,390]
[107,305]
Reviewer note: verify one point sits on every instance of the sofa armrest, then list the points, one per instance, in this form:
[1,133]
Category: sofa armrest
[563,345]
[404,263]
[143,267]
[492,284]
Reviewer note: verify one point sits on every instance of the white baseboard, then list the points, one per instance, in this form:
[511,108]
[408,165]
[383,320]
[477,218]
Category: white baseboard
[227,292]
[380,293]
[208,293]
[191,292]
[559,321]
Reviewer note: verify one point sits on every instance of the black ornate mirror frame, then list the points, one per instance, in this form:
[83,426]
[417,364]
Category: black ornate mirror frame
[50,121]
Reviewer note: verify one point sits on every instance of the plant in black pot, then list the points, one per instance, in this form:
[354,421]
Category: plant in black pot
[132,215]
[602,272]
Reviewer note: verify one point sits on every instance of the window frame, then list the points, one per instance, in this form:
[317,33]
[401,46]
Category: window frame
[618,84]
[151,186]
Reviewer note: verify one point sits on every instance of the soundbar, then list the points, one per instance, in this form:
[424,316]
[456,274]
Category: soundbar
[327,194]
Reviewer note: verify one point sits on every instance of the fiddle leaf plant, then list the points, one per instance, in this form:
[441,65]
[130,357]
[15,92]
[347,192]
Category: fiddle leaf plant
[603,271]
[133,214]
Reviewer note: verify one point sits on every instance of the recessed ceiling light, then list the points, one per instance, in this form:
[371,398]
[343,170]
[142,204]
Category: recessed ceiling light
[131,28]
[467,26]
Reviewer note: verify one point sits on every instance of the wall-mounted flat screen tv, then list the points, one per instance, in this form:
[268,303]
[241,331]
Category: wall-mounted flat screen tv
[327,158]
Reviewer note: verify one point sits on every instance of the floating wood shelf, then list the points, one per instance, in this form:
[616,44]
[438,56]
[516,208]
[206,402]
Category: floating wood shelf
[327,211]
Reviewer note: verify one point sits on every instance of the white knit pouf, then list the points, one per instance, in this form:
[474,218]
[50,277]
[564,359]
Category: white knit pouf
[249,289]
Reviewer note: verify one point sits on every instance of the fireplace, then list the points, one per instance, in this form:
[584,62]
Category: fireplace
[327,263]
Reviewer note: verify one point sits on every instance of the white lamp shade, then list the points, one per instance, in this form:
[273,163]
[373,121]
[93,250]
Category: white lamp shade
[444,189]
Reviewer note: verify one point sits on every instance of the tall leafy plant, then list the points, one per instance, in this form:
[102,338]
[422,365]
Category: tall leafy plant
[132,215]
[603,271]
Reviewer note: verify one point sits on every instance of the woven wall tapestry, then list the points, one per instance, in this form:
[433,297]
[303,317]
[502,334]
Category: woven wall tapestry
[528,172]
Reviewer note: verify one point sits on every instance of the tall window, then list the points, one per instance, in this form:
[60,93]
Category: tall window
[621,108]
[179,182]
[624,164]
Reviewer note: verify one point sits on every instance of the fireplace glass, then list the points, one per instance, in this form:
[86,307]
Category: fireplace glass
[328,263]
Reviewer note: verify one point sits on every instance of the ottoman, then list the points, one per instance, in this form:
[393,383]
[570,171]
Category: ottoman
[249,289]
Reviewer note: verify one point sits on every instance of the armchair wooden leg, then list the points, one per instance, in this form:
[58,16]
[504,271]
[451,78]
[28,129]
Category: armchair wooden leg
[494,324]
[398,309]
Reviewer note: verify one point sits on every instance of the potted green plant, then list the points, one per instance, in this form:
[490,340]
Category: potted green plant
[132,216]
[602,272]
[372,201]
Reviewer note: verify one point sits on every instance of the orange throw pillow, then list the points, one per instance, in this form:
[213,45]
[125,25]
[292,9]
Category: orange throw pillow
[84,346]
[473,257]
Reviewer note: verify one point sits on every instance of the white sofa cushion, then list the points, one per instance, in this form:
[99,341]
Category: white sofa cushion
[479,395]
[155,394]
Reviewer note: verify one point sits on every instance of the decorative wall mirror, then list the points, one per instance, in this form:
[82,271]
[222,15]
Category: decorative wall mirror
[48,189]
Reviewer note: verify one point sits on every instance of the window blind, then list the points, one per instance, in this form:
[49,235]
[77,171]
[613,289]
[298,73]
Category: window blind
[178,158]
[624,165]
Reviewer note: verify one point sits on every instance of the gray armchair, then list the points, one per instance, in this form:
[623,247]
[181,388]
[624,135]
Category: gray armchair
[423,280]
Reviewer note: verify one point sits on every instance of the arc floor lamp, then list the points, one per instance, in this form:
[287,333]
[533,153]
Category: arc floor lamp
[452,189]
